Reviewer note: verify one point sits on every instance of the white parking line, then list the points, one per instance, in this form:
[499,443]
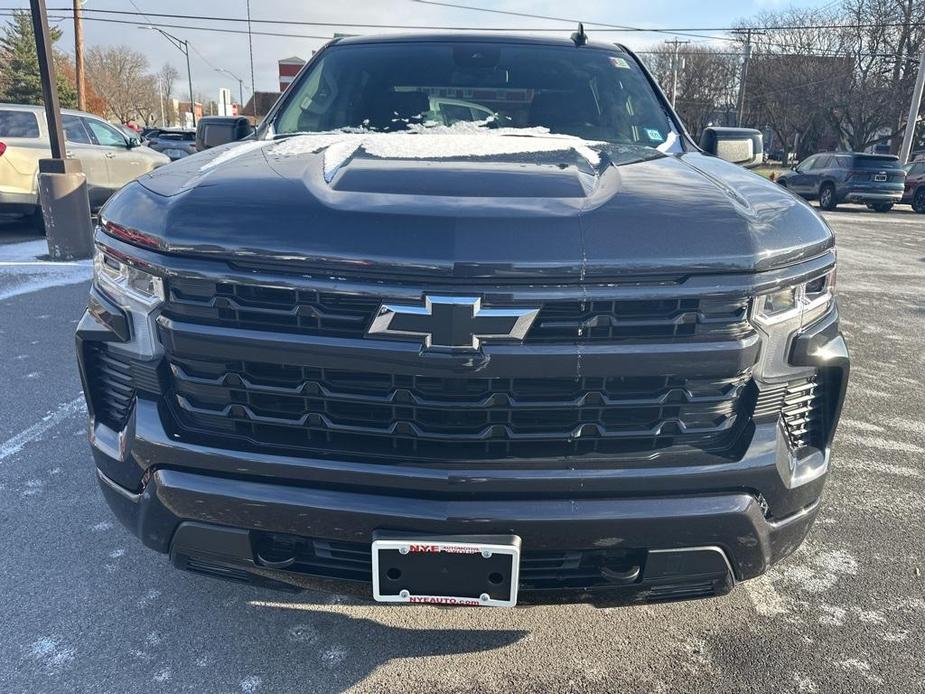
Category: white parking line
[16,443]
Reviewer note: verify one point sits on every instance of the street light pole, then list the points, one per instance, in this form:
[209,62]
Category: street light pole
[913,118]
[189,76]
[250,45]
[240,86]
[183,46]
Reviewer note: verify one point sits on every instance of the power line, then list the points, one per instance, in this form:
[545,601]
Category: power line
[64,17]
[604,28]
[598,26]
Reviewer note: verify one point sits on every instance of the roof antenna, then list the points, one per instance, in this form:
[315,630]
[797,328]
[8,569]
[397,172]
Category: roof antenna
[580,37]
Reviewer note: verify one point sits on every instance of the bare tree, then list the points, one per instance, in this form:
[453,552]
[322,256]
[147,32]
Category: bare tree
[121,76]
[706,83]
[884,37]
[796,75]
[836,76]
[168,76]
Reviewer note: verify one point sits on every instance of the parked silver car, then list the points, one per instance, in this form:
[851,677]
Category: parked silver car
[109,158]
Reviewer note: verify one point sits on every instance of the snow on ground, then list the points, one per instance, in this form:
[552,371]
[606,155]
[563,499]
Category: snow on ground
[23,269]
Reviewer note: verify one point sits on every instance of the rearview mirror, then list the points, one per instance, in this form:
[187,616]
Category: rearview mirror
[742,146]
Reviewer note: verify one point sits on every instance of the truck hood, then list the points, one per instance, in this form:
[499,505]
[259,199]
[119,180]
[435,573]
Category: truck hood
[560,208]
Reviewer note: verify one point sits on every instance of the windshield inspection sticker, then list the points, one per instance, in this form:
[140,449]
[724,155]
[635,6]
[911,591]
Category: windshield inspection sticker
[620,63]
[654,135]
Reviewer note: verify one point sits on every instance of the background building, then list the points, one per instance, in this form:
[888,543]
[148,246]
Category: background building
[288,69]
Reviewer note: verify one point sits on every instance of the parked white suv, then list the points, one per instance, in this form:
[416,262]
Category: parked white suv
[109,158]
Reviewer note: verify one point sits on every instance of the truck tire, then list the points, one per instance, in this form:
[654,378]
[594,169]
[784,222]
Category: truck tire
[827,199]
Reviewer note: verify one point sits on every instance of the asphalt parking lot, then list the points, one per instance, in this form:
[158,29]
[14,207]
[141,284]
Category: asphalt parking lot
[85,608]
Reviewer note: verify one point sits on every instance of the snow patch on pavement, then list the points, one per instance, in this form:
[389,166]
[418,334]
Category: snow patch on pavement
[23,271]
[767,601]
[16,443]
[50,652]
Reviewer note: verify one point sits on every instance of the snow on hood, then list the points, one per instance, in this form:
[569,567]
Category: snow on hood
[460,140]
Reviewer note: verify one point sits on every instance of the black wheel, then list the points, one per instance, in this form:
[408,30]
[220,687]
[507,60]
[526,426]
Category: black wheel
[827,197]
[918,200]
[881,206]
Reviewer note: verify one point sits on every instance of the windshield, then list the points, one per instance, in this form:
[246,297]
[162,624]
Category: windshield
[588,93]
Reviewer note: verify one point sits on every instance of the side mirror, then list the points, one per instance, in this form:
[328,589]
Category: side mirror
[742,146]
[132,143]
[213,131]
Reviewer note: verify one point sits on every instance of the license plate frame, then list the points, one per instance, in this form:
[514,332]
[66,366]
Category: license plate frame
[453,570]
[880,178]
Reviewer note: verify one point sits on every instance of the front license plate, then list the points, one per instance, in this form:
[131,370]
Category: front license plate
[474,571]
[880,178]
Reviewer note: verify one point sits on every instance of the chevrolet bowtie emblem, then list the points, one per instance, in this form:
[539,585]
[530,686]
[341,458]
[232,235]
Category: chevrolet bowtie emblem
[452,322]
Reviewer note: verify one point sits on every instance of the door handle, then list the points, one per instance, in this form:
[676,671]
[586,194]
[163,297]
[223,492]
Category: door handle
[110,155]
[68,153]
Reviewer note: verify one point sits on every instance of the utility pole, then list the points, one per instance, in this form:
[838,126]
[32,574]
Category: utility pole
[674,68]
[740,106]
[250,44]
[79,57]
[913,118]
[183,46]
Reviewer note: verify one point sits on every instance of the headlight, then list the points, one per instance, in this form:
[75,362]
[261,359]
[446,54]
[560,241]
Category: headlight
[783,313]
[795,307]
[128,286]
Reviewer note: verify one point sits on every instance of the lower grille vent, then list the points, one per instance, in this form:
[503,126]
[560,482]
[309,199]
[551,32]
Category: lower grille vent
[801,413]
[797,403]
[112,387]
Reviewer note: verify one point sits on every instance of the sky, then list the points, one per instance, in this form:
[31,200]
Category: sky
[229,51]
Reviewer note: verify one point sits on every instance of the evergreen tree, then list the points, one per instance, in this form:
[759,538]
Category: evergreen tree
[20,81]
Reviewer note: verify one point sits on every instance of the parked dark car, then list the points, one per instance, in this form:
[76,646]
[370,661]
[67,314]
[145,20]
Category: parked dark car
[466,364]
[835,177]
[176,143]
[914,193]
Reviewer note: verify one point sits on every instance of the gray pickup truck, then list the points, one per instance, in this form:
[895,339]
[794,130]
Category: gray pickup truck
[469,320]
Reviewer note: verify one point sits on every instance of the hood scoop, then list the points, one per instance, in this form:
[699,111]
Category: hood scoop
[565,175]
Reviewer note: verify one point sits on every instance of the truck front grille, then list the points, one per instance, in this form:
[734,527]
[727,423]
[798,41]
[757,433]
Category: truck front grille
[452,419]
[342,314]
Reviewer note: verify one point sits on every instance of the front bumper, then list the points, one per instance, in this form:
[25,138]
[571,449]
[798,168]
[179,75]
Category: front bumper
[688,546]
[692,528]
